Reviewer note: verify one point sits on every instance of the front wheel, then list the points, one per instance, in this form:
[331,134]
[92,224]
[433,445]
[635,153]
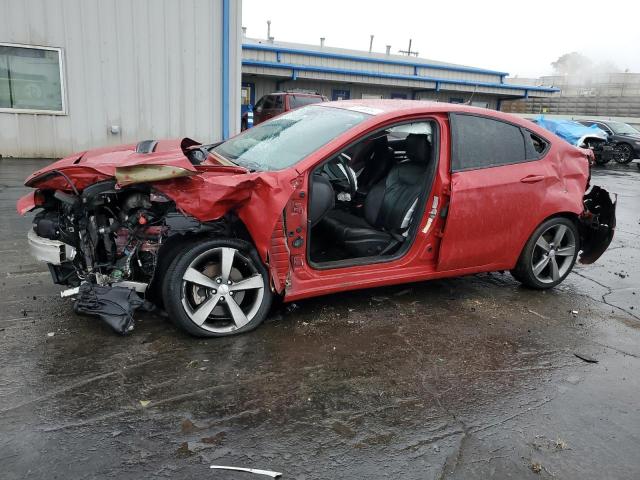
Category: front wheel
[217,288]
[625,153]
[549,255]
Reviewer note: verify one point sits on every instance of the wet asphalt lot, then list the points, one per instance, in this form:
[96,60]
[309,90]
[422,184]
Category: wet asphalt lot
[465,378]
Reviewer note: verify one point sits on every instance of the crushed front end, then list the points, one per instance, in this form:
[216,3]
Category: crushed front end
[104,243]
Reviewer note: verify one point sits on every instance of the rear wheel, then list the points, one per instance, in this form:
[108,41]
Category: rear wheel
[217,288]
[549,255]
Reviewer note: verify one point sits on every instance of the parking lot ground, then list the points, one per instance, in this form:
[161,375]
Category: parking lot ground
[467,378]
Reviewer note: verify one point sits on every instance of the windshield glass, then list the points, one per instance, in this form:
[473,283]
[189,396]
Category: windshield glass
[287,139]
[622,128]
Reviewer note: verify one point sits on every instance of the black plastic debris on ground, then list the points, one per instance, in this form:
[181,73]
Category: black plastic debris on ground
[114,305]
[586,358]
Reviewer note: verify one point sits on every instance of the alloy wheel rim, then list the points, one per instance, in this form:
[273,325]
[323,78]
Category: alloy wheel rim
[222,290]
[625,153]
[553,254]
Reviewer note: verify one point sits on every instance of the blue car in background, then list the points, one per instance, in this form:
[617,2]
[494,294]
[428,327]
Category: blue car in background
[577,134]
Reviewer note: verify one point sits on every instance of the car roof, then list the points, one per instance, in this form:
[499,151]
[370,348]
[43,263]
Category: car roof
[302,94]
[396,106]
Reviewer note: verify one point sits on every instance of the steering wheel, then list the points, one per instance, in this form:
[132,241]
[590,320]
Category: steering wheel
[350,175]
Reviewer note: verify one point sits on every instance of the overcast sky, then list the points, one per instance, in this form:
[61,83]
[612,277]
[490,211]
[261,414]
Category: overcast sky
[518,37]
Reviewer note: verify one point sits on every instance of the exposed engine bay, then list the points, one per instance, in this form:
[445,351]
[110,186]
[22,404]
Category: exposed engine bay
[603,150]
[110,237]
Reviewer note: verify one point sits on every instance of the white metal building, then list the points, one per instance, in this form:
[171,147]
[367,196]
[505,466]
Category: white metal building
[78,74]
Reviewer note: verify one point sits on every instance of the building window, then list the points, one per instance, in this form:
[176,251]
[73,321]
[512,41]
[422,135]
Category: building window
[456,100]
[31,79]
[338,94]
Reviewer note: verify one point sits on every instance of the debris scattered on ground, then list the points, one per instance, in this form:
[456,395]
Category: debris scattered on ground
[268,473]
[536,467]
[115,433]
[621,274]
[586,358]
[114,305]
[574,313]
[192,364]
[51,334]
[561,444]
[144,403]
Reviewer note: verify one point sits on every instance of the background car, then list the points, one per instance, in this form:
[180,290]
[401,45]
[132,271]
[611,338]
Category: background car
[580,135]
[623,136]
[327,198]
[276,103]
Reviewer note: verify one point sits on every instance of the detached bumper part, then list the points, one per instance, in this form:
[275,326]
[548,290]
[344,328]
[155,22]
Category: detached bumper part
[50,251]
[114,305]
[598,224]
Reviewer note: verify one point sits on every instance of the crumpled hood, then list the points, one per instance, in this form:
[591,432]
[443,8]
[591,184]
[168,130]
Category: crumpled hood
[92,166]
[258,198]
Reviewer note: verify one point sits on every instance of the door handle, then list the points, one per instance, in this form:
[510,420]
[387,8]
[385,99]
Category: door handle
[532,179]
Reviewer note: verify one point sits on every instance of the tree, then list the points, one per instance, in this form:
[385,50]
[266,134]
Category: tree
[571,63]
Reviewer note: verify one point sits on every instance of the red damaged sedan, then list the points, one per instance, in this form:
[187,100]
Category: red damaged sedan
[327,198]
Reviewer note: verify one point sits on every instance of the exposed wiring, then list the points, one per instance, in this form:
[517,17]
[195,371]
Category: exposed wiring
[71,184]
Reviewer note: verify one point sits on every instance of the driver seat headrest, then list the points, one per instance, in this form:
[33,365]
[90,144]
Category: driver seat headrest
[418,147]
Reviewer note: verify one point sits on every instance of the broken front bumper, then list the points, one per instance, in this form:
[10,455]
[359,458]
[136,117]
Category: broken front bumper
[597,224]
[54,252]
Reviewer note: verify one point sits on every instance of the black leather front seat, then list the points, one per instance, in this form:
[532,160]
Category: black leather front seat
[375,158]
[388,207]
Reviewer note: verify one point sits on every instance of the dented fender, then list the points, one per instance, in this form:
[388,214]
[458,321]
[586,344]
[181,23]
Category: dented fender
[257,198]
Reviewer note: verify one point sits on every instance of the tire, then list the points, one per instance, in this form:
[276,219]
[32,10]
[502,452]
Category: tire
[626,153]
[216,288]
[539,266]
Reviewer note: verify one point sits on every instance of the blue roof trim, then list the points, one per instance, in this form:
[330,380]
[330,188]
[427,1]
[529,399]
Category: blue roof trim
[225,68]
[397,76]
[361,58]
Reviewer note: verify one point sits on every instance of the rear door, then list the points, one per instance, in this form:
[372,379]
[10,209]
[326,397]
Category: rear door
[498,179]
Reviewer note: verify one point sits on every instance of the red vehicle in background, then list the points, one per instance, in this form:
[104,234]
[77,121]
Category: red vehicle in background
[326,198]
[276,103]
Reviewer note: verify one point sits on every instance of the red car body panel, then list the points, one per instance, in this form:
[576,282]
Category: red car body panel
[26,203]
[469,239]
[213,190]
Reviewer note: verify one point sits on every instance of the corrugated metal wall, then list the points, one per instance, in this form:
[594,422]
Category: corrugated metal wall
[153,67]
[605,106]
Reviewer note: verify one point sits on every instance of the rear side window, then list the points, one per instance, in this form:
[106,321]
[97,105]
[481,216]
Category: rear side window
[481,142]
[536,146]
[296,101]
[279,102]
